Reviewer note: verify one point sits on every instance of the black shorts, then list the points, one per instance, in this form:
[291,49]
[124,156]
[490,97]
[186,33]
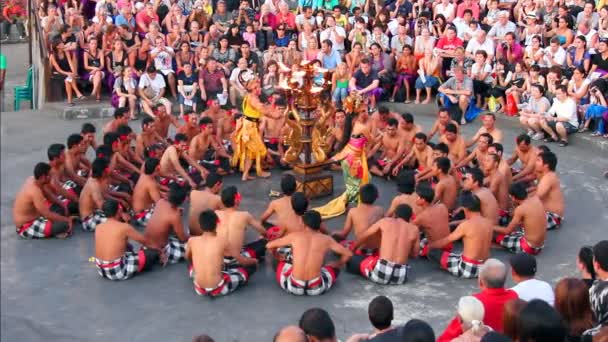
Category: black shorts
[570,128]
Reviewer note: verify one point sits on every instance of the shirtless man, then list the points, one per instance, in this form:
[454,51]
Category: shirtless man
[165,230]
[549,189]
[272,128]
[503,167]
[76,165]
[408,129]
[432,220]
[361,218]
[336,131]
[31,213]
[379,120]
[201,200]
[443,118]
[114,258]
[446,189]
[488,121]
[478,155]
[61,190]
[526,154]
[146,192]
[455,143]
[476,234]
[286,219]
[399,240]
[390,146]
[206,253]
[190,128]
[496,182]
[205,149]
[440,150]
[420,157]
[163,120]
[406,184]
[88,131]
[147,139]
[214,111]
[530,215]
[473,181]
[126,137]
[93,194]
[120,118]
[118,160]
[232,225]
[225,128]
[307,275]
[174,161]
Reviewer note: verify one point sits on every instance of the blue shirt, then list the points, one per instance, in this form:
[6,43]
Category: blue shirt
[120,20]
[332,60]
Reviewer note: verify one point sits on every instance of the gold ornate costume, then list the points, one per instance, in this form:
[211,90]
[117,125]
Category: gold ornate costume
[248,142]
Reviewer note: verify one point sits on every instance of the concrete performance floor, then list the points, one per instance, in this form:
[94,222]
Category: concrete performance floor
[51,292]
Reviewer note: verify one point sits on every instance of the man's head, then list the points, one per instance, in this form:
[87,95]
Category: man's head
[56,153]
[88,131]
[365,66]
[205,124]
[458,73]
[492,274]
[76,142]
[440,150]
[391,127]
[485,140]
[407,121]
[441,165]
[214,182]
[425,195]
[299,203]
[406,182]
[151,166]
[177,194]
[230,197]
[327,46]
[291,333]
[503,17]
[600,258]
[450,32]
[312,220]
[523,142]
[147,124]
[288,184]
[418,331]
[561,92]
[111,208]
[181,142]
[481,36]
[317,325]
[539,321]
[41,173]
[208,221]
[444,116]
[490,162]
[472,179]
[404,212]
[380,312]
[496,148]
[368,193]
[518,192]
[99,168]
[420,140]
[120,115]
[523,266]
[546,162]
[470,203]
[451,132]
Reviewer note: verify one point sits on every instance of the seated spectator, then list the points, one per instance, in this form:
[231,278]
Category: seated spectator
[339,84]
[380,313]
[540,322]
[237,89]
[318,326]
[457,90]
[561,119]
[152,91]
[187,87]
[584,262]
[428,71]
[365,82]
[523,270]
[329,57]
[212,81]
[64,66]
[595,112]
[406,73]
[510,317]
[125,92]
[493,295]
[470,314]
[163,61]
[501,27]
[572,302]
[598,294]
[13,14]
[416,330]
[533,112]
[510,49]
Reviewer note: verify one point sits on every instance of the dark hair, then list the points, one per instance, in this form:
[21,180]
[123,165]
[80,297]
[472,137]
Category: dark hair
[470,201]
[498,147]
[328,42]
[299,203]
[208,220]
[489,136]
[421,136]
[493,336]
[205,120]
[177,194]
[380,312]
[54,151]
[110,207]
[124,130]
[98,167]
[476,175]
[451,127]
[104,151]
[110,138]
[406,182]
[120,112]
[519,191]
[416,330]
[442,147]
[561,87]
[146,121]
[510,316]
[585,255]
[523,264]
[312,220]
[41,170]
[368,193]
[317,323]
[407,117]
[600,254]
[539,322]
[74,139]
[202,338]
[288,184]
[87,127]
[523,138]
[212,179]
[150,165]
[392,122]
[403,211]
[151,69]
[179,137]
[482,52]
[467,11]
[425,192]
[543,148]
[228,195]
[572,302]
[443,164]
[549,159]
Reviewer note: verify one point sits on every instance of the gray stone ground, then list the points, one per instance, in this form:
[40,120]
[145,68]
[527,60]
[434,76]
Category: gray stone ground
[50,291]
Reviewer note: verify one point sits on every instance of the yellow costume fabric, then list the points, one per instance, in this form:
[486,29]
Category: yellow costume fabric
[248,142]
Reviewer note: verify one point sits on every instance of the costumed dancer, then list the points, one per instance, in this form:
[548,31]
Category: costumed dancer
[249,145]
[352,159]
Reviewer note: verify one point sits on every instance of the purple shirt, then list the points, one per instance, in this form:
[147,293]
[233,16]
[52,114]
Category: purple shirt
[516,50]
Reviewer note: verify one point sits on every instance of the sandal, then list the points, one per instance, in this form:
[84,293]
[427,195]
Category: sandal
[583,129]
[71,104]
[596,134]
[563,143]
[549,139]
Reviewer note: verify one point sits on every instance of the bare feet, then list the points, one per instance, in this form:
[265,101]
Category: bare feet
[247,177]
[417,101]
[264,174]
[427,100]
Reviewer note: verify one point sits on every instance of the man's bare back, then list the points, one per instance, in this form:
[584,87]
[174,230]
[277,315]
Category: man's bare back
[284,216]
[476,237]
[201,200]
[207,255]
[489,204]
[434,222]
[360,219]
[166,219]
[400,240]
[145,193]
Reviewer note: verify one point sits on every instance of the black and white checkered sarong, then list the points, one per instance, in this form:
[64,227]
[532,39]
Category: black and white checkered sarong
[231,280]
[459,265]
[516,242]
[384,272]
[120,269]
[175,250]
[313,287]
[90,222]
[38,228]
[142,217]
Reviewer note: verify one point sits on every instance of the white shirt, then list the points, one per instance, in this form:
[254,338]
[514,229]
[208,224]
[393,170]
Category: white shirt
[328,34]
[535,289]
[155,84]
[474,45]
[558,57]
[448,10]
[163,61]
[565,110]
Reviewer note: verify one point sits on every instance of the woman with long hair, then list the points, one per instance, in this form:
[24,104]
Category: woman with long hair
[184,55]
[116,61]
[510,318]
[124,92]
[271,78]
[94,66]
[339,84]
[579,55]
[584,262]
[352,157]
[63,65]
[353,58]
[572,302]
[142,58]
